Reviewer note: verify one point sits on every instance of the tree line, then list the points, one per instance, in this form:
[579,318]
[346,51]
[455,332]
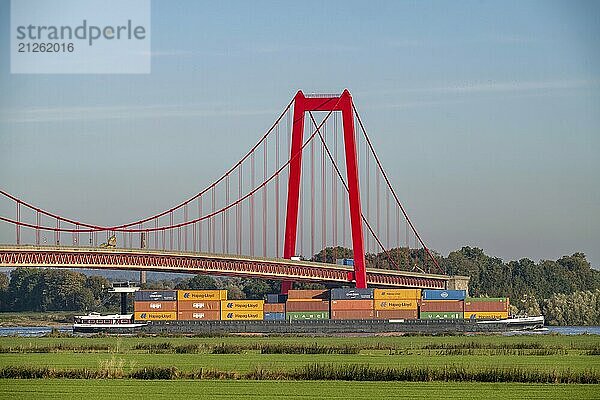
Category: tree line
[32,289]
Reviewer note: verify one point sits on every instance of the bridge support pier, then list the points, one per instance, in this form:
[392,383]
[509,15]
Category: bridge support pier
[286,286]
[458,282]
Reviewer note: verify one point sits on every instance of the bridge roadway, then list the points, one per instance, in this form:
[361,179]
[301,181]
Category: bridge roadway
[205,263]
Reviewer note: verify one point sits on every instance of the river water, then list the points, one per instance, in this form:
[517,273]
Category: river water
[33,331]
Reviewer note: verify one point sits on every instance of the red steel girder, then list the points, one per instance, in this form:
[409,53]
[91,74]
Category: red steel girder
[133,259]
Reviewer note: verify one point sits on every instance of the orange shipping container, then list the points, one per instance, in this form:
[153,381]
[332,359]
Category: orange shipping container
[486,315]
[198,305]
[255,305]
[351,305]
[274,307]
[199,315]
[315,305]
[442,305]
[227,315]
[406,304]
[352,314]
[491,305]
[155,316]
[308,294]
[397,294]
[396,314]
[155,306]
[201,295]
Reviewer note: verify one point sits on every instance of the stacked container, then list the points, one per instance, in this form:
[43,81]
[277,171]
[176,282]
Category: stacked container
[442,304]
[274,307]
[242,310]
[486,308]
[203,305]
[352,304]
[307,305]
[396,303]
[155,305]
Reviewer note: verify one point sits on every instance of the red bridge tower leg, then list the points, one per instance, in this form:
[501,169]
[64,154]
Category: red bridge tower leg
[342,103]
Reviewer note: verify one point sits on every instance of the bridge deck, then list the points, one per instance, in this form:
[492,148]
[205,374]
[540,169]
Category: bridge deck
[206,263]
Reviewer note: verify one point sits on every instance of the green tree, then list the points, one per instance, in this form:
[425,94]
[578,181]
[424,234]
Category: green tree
[4,281]
[331,254]
[198,282]
[577,308]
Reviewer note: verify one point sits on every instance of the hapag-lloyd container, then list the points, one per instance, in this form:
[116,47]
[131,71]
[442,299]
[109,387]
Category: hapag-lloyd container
[156,295]
[486,315]
[253,305]
[351,305]
[315,305]
[442,305]
[274,307]
[155,316]
[195,305]
[239,315]
[396,314]
[396,294]
[432,294]
[274,316]
[440,315]
[308,295]
[352,314]
[401,304]
[307,315]
[351,294]
[155,306]
[199,315]
[201,295]
[499,304]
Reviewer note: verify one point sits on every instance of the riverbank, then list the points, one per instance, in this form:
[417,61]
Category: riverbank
[37,319]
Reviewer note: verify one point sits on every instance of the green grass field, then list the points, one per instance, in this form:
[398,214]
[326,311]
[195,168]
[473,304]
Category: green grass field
[407,351]
[246,361]
[185,390]
[532,353]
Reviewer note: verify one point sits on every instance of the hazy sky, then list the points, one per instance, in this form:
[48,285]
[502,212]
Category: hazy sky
[485,114]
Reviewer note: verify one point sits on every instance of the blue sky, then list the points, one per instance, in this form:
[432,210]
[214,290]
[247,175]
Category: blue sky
[485,114]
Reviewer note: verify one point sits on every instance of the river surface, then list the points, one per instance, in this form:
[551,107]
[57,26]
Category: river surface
[32,331]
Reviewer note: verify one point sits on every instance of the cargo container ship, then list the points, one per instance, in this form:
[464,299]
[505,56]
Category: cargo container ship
[335,311]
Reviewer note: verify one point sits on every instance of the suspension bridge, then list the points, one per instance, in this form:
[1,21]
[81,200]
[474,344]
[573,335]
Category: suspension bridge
[293,194]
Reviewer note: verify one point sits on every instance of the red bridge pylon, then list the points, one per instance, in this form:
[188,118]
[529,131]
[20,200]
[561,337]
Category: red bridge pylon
[343,103]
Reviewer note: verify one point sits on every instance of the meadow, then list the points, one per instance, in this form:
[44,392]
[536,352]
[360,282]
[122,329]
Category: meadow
[465,367]
[227,389]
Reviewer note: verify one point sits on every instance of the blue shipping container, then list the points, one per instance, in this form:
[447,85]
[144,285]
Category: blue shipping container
[429,294]
[351,294]
[274,316]
[156,295]
[276,298]
[272,298]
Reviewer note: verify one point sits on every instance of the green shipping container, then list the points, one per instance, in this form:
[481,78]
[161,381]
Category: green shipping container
[441,315]
[306,315]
